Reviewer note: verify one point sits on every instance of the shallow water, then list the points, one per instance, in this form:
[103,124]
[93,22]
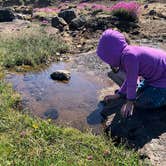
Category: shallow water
[75,103]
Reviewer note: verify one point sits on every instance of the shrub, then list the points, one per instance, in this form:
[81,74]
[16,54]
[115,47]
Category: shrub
[126,10]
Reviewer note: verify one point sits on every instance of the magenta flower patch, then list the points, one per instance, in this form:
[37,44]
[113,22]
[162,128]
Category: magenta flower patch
[131,7]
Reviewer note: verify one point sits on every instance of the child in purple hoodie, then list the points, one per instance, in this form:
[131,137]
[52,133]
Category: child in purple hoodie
[135,61]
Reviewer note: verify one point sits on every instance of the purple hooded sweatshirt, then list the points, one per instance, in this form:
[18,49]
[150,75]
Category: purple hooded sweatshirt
[150,63]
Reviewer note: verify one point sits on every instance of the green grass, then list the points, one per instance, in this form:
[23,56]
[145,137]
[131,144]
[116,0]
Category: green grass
[29,47]
[30,141]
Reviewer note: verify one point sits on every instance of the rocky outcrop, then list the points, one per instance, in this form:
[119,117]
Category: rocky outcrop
[67,15]
[61,75]
[100,21]
[77,23]
[58,23]
[6,15]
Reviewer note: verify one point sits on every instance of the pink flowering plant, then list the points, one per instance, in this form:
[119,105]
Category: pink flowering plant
[126,10]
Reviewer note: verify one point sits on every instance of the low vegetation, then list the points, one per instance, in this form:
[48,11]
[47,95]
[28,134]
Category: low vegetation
[31,47]
[30,141]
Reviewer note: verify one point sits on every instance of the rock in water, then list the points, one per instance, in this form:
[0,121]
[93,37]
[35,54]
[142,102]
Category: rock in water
[67,15]
[61,75]
[6,15]
[51,113]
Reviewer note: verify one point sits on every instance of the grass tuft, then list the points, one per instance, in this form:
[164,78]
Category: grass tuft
[31,47]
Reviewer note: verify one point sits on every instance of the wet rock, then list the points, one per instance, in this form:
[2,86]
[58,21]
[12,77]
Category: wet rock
[77,23]
[67,15]
[51,113]
[6,15]
[61,75]
[58,23]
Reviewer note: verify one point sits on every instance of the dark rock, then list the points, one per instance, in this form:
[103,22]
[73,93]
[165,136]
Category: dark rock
[51,113]
[126,26]
[67,15]
[58,23]
[125,17]
[152,12]
[61,75]
[6,15]
[99,22]
[77,23]
[146,6]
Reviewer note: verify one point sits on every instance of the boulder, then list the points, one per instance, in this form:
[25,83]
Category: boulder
[6,15]
[58,23]
[67,15]
[100,21]
[61,75]
[77,23]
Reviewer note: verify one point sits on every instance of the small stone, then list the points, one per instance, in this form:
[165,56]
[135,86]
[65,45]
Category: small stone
[57,53]
[152,12]
[146,6]
[106,153]
[61,75]
[90,157]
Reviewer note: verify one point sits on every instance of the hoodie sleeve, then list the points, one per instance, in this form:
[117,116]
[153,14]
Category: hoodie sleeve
[123,88]
[132,66]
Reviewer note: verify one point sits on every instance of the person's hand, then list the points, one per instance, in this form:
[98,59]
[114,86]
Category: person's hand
[127,109]
[108,98]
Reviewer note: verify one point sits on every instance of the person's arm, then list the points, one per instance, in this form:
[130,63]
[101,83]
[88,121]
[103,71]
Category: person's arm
[123,89]
[132,67]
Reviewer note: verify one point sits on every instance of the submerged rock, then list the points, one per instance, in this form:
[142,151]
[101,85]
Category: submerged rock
[61,75]
[51,113]
[6,15]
